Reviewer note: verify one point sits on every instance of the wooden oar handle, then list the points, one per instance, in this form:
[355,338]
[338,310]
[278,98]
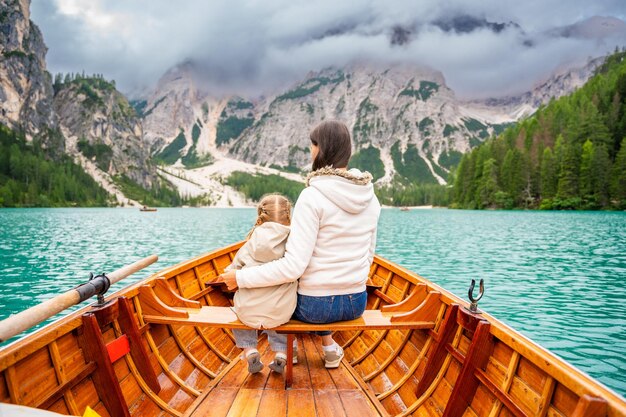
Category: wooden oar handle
[127,270]
[26,319]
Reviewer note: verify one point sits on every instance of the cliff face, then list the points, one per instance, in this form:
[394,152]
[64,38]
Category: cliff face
[179,117]
[98,126]
[402,119]
[25,85]
[99,123]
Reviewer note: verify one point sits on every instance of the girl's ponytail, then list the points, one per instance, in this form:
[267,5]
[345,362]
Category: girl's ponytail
[272,208]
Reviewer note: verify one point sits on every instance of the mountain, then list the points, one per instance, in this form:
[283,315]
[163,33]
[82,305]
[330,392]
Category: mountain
[571,154]
[102,129]
[562,82]
[83,117]
[407,125]
[405,118]
[595,27]
[25,85]
[173,108]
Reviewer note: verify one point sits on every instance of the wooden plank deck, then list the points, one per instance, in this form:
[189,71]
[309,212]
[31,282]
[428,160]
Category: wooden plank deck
[316,391]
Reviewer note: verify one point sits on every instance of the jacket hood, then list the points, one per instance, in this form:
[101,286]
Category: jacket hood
[350,190]
[268,241]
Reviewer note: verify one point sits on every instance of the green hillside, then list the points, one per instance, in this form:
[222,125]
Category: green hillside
[32,177]
[571,154]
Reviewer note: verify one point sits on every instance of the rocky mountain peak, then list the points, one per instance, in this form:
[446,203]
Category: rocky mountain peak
[99,123]
[25,85]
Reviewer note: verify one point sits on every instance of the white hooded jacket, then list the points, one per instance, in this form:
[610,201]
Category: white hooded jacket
[332,240]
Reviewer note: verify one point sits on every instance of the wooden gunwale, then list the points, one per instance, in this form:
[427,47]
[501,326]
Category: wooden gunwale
[21,348]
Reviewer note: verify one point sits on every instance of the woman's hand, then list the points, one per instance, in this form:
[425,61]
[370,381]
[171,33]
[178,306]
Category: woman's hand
[229,278]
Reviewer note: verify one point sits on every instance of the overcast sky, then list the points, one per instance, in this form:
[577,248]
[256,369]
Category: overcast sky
[483,47]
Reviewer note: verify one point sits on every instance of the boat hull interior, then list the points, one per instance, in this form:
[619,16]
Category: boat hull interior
[110,359]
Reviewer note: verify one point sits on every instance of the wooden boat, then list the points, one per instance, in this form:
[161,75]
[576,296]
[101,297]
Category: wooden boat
[144,208]
[113,360]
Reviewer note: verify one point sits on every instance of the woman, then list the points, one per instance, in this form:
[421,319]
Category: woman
[332,240]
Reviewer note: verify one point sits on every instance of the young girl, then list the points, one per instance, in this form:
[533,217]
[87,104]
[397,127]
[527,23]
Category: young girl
[265,307]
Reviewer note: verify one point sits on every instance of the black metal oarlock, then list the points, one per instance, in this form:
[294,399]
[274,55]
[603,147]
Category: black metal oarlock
[97,285]
[474,300]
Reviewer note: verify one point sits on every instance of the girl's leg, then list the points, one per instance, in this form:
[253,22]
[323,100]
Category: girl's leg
[278,344]
[247,340]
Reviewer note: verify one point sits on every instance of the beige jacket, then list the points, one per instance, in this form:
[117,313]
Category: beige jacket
[264,307]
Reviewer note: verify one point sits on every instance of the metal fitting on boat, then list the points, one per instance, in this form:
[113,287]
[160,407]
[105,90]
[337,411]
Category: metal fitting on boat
[470,294]
[97,285]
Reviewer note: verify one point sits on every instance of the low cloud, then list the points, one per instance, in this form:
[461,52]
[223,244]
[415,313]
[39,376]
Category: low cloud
[486,48]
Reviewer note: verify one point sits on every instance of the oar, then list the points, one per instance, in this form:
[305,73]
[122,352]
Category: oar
[26,319]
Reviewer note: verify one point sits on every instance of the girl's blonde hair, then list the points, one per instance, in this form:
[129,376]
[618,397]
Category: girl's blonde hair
[273,208]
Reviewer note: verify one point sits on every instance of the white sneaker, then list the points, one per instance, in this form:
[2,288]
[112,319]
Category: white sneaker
[332,358]
[254,362]
[279,363]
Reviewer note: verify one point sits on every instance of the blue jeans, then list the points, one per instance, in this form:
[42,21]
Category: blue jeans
[329,309]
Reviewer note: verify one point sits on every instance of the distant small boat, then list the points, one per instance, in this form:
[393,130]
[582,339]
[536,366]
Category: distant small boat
[145,208]
[404,209]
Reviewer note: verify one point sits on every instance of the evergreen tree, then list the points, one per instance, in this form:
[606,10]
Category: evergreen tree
[488,187]
[462,180]
[549,174]
[585,170]
[515,176]
[567,190]
[599,174]
[618,178]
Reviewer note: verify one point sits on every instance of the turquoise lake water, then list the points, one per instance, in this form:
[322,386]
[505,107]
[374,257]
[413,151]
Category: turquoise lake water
[557,277]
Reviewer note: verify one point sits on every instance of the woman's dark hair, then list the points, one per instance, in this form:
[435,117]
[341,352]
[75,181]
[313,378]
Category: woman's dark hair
[335,147]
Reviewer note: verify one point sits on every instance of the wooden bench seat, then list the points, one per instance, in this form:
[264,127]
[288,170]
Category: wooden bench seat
[161,305]
[225,317]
